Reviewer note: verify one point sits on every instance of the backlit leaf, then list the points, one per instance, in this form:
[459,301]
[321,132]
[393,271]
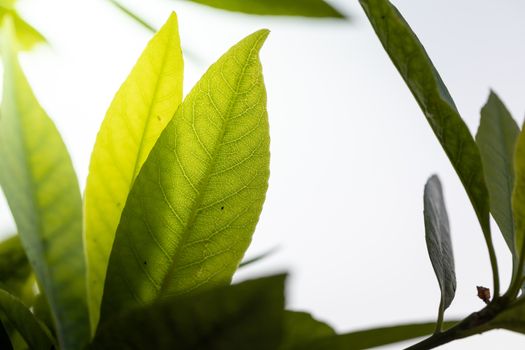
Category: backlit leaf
[141,109]
[193,208]
[305,8]
[496,139]
[248,315]
[518,195]
[42,191]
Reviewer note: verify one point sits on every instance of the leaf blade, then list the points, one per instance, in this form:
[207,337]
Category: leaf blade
[439,244]
[303,8]
[496,139]
[300,329]
[141,109]
[370,338]
[32,330]
[242,316]
[420,75]
[42,191]
[215,153]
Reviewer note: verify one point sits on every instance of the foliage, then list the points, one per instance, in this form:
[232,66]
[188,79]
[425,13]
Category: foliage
[175,188]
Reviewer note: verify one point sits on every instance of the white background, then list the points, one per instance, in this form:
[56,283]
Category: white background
[351,151]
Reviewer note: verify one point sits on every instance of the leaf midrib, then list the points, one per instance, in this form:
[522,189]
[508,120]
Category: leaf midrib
[206,179]
[148,118]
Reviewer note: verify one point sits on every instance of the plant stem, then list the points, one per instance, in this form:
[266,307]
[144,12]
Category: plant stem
[494,264]
[475,323]
[133,15]
[441,312]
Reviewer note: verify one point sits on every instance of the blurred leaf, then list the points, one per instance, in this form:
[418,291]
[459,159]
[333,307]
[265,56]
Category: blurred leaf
[496,139]
[42,191]
[26,36]
[32,330]
[5,342]
[304,8]
[257,258]
[374,337]
[141,109]
[439,245]
[14,266]
[193,208]
[414,65]
[300,329]
[42,311]
[243,316]
[133,16]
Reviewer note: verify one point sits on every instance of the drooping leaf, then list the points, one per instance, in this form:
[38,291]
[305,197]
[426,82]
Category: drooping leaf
[32,330]
[248,315]
[370,338]
[193,208]
[42,191]
[141,109]
[518,196]
[304,8]
[439,244]
[496,139]
[416,68]
[300,329]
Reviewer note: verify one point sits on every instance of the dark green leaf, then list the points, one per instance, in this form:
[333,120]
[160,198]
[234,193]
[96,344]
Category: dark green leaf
[14,266]
[374,337]
[32,330]
[5,342]
[414,65]
[42,191]
[300,329]
[248,315]
[518,197]
[439,245]
[304,8]
[496,139]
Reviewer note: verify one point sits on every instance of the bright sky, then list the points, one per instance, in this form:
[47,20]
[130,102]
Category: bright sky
[351,151]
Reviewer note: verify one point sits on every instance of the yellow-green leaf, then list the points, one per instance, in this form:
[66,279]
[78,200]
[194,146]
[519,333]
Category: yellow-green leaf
[142,107]
[193,208]
[42,191]
[26,35]
[518,196]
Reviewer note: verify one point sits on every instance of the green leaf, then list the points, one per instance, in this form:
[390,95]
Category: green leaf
[304,8]
[439,245]
[518,196]
[42,191]
[26,36]
[414,65]
[141,109]
[14,266]
[300,329]
[370,338]
[243,316]
[32,330]
[496,139]
[193,208]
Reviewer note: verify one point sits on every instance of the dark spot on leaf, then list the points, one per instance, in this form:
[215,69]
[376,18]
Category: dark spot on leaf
[145,263]
[158,118]
[222,208]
